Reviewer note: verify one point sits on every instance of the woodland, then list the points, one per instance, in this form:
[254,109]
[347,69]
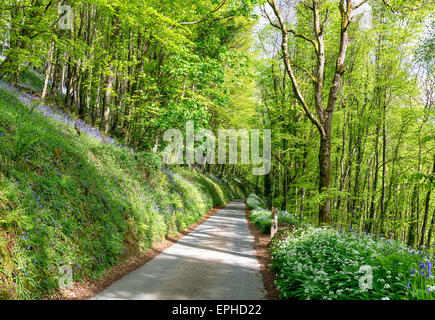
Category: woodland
[89,87]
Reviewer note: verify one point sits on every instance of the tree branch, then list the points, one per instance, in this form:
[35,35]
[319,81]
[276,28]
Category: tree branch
[424,4]
[206,16]
[273,24]
[299,35]
[290,71]
[359,5]
[322,25]
[314,79]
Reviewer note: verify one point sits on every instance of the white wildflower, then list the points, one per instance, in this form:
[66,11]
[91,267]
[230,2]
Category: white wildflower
[431,288]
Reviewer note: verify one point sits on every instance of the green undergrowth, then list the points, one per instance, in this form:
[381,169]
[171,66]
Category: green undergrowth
[254,202]
[326,264]
[262,218]
[68,200]
[32,79]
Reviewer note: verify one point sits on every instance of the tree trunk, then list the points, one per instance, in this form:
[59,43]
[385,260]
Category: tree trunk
[384,172]
[106,103]
[323,119]
[431,231]
[49,71]
[268,190]
[426,205]
[371,223]
[325,179]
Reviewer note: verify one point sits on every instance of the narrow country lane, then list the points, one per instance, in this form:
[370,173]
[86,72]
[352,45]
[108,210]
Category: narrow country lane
[214,262]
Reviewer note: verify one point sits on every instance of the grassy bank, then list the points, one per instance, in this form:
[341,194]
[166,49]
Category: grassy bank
[328,264]
[72,200]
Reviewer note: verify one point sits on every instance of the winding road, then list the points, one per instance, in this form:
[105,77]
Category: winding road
[214,262]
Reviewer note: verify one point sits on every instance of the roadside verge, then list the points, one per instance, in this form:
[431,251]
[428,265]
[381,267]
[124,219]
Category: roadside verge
[261,247]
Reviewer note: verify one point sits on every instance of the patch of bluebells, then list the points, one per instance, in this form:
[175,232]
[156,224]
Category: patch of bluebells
[61,117]
[422,283]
